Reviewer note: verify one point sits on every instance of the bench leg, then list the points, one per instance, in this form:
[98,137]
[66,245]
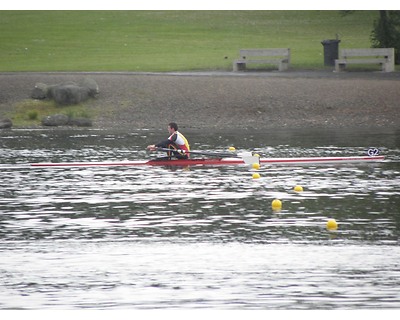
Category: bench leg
[339,66]
[238,66]
[283,66]
[388,67]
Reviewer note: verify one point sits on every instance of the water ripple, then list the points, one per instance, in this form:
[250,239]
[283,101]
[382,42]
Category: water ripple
[207,237]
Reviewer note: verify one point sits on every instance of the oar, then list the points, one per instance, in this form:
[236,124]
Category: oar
[247,157]
[204,153]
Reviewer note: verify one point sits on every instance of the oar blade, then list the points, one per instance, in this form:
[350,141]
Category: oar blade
[248,158]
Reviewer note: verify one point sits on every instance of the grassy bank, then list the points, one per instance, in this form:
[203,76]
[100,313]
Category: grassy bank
[28,113]
[168,40]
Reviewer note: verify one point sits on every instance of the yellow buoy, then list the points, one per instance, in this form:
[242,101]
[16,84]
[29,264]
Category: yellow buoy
[255,166]
[298,188]
[331,224]
[256,175]
[276,204]
[232,148]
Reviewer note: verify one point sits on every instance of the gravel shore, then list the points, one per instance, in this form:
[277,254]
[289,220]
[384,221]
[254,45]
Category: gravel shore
[229,100]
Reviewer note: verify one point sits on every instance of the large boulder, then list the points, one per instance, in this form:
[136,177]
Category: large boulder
[91,86]
[5,123]
[40,91]
[70,94]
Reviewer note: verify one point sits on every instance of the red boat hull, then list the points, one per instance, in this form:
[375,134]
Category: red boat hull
[213,162]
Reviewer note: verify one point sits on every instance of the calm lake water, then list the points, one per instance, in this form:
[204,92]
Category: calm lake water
[199,237]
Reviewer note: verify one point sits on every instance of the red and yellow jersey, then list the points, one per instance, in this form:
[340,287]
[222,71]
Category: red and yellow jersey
[180,141]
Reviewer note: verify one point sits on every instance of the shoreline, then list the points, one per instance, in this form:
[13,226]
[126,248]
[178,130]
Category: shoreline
[222,100]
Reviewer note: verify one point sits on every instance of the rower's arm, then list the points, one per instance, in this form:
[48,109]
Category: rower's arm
[163,144]
[166,143]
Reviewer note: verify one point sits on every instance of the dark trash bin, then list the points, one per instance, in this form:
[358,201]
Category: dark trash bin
[331,51]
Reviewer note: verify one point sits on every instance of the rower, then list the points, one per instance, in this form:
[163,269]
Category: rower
[177,144]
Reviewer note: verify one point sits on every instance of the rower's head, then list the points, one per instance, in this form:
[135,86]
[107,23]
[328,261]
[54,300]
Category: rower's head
[172,127]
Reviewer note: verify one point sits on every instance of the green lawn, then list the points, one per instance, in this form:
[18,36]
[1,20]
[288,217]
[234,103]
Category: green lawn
[169,40]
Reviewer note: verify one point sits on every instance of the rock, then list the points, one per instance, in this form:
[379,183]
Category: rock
[55,120]
[40,91]
[91,85]
[70,94]
[50,91]
[67,93]
[81,122]
[5,123]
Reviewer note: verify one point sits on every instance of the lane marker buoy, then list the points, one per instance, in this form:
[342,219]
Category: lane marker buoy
[256,175]
[331,224]
[255,166]
[298,188]
[276,204]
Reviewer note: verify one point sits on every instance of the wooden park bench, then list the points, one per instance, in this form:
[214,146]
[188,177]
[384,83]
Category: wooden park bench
[279,57]
[382,56]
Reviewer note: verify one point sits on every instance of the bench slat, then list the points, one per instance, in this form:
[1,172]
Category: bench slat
[361,61]
[274,61]
[368,52]
[265,52]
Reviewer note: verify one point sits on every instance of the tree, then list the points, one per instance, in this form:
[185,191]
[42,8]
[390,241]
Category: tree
[386,32]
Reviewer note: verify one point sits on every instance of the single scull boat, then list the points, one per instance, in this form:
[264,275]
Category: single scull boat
[213,162]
